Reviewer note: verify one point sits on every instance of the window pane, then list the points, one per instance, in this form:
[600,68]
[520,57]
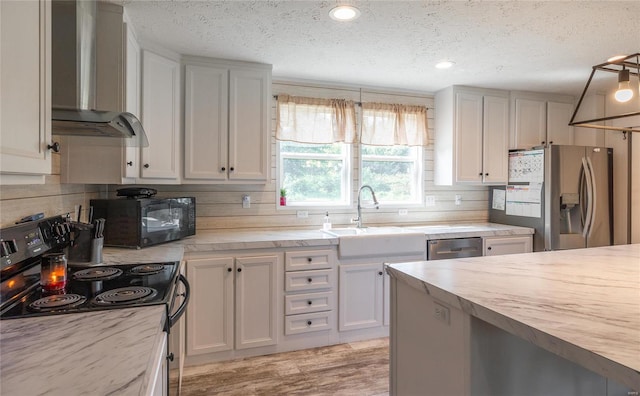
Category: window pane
[394,172]
[314,173]
[392,181]
[293,147]
[386,150]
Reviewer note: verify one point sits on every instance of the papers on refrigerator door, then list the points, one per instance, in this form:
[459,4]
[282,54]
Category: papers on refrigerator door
[526,166]
[524,200]
[499,198]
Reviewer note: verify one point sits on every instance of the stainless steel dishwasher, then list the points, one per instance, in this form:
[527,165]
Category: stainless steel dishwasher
[440,249]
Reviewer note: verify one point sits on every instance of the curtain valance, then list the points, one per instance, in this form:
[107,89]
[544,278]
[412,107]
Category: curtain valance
[325,121]
[314,120]
[386,124]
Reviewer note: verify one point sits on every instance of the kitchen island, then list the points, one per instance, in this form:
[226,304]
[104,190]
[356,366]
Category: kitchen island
[561,322]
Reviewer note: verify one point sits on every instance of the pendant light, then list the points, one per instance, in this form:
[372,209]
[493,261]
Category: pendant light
[624,92]
[627,67]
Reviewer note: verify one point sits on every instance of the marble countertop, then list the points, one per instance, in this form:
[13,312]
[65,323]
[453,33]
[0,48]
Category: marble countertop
[581,304]
[110,352]
[206,241]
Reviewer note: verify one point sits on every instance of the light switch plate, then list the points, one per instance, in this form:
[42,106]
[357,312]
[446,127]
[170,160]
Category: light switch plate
[246,201]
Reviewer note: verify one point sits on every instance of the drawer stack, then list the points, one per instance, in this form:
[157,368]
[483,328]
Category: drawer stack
[309,291]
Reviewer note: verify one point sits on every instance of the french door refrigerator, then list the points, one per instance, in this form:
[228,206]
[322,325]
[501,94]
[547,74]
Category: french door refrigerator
[564,192]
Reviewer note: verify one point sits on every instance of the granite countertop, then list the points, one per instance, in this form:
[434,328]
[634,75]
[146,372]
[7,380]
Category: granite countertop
[110,352]
[581,304]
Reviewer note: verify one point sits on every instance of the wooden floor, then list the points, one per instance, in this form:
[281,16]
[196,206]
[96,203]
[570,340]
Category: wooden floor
[359,368]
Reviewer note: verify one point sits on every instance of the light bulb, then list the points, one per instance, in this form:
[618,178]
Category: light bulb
[624,92]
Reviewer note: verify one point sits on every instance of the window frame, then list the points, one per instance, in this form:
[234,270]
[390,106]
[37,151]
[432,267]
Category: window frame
[347,177]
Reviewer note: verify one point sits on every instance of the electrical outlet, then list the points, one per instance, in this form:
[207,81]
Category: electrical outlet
[403,212]
[302,214]
[430,200]
[246,201]
[441,313]
[458,199]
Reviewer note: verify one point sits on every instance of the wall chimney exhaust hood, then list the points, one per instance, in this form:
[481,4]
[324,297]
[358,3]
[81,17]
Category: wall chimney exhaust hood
[76,87]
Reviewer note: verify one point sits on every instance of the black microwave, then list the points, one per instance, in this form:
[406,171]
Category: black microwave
[141,222]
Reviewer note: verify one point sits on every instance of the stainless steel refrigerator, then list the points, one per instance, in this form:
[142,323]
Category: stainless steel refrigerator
[564,192]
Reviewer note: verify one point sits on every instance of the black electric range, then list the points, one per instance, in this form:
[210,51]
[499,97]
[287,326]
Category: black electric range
[88,288]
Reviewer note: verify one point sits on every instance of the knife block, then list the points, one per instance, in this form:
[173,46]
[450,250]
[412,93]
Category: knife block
[80,249]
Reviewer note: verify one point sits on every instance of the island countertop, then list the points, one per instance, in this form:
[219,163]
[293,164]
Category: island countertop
[582,304]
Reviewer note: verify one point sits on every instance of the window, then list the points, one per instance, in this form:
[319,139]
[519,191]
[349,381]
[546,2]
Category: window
[394,173]
[315,174]
[314,143]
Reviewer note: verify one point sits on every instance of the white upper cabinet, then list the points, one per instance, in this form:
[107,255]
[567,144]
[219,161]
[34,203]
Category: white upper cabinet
[226,121]
[472,135]
[133,67]
[25,91]
[206,128]
[160,118]
[540,120]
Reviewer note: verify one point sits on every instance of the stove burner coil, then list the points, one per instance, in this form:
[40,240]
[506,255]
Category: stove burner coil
[57,302]
[97,274]
[147,269]
[125,295]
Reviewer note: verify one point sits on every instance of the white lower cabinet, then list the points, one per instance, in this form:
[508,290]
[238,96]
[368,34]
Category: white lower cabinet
[233,303]
[309,300]
[361,296]
[159,378]
[497,246]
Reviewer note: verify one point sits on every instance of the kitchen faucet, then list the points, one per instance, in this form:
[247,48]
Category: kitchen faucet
[358,220]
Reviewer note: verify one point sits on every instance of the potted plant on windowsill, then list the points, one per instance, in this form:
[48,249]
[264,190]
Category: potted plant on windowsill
[283,197]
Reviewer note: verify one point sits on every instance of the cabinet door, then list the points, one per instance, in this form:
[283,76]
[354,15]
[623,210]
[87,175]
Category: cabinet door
[495,138]
[132,98]
[360,296]
[507,245]
[530,124]
[558,129]
[468,127]
[210,310]
[25,86]
[160,116]
[256,312]
[206,123]
[249,99]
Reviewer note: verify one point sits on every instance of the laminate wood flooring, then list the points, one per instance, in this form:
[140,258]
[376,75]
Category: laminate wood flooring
[358,368]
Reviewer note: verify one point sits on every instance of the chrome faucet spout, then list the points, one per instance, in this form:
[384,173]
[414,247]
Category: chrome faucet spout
[376,204]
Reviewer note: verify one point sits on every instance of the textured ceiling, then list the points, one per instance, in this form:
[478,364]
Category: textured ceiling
[546,46]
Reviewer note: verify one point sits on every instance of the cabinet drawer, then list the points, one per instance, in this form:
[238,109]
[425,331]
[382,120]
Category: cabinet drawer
[308,260]
[306,323]
[308,302]
[309,280]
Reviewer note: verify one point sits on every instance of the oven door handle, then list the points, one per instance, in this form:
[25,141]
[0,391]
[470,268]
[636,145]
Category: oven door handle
[173,319]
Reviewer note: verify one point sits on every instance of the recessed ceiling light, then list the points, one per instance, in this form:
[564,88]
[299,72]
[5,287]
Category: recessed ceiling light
[344,13]
[445,64]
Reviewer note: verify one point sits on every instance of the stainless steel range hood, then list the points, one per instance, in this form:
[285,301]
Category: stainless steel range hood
[76,30]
